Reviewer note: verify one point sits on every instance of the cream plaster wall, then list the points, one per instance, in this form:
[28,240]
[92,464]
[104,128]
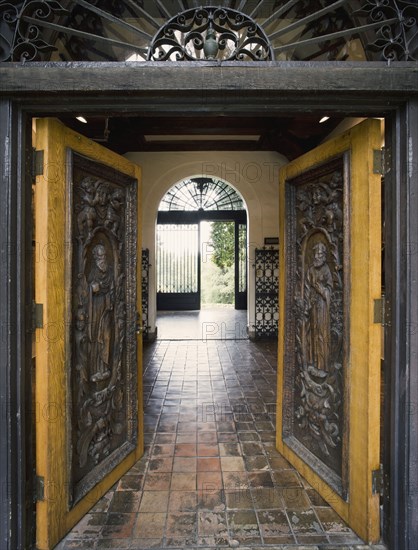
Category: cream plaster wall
[253,174]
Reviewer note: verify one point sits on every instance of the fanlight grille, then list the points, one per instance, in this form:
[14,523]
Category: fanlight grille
[230,30]
[201,193]
[210,33]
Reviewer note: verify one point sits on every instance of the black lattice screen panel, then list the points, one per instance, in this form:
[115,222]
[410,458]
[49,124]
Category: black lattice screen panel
[266,293]
[145,290]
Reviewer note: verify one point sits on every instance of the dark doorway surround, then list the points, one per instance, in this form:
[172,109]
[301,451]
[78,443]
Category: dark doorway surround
[373,89]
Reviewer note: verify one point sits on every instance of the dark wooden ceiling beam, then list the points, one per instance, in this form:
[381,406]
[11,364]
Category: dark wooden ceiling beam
[198,125]
[152,78]
[258,98]
[201,145]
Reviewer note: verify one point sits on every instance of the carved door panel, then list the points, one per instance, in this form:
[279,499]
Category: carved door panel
[329,354]
[88,364]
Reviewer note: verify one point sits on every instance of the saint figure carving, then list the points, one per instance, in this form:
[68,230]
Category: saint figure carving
[101,301]
[318,292]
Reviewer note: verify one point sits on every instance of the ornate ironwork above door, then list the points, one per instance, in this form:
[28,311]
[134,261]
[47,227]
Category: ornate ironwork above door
[211,33]
[112,30]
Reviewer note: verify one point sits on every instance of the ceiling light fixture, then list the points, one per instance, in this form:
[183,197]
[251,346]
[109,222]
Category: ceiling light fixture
[324,119]
[81,119]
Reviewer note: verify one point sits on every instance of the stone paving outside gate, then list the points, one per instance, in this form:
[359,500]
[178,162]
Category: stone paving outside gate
[210,476]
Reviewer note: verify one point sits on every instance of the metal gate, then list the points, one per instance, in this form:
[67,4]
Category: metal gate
[266,293]
[145,292]
[178,261]
[240,265]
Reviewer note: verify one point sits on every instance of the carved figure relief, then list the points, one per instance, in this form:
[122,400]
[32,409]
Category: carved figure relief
[316,278]
[103,307]
[318,294]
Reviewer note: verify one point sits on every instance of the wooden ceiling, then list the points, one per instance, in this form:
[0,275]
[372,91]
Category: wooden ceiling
[290,136]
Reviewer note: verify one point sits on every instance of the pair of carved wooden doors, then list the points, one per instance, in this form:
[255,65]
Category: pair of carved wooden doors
[89,427]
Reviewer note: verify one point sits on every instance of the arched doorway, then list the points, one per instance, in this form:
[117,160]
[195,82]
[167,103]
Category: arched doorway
[201,254]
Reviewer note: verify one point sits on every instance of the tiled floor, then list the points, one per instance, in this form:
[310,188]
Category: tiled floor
[211,477]
[209,323]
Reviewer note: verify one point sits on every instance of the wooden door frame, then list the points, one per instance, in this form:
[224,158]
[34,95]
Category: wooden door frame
[351,89]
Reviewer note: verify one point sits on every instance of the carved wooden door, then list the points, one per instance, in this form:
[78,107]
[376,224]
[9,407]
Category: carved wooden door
[328,419]
[88,358]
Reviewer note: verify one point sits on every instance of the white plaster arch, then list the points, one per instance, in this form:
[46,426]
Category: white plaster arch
[253,174]
[167,180]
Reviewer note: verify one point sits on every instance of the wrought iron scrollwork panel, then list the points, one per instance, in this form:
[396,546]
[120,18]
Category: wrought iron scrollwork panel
[266,293]
[145,291]
[316,334]
[211,33]
[22,32]
[101,305]
[111,30]
[396,22]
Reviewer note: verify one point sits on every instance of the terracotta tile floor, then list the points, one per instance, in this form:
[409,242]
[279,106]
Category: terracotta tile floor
[210,476]
[209,323]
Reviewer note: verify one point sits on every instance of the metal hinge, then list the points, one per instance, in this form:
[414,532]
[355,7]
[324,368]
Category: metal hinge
[139,327]
[39,488]
[378,481]
[379,311]
[37,163]
[379,161]
[37,316]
